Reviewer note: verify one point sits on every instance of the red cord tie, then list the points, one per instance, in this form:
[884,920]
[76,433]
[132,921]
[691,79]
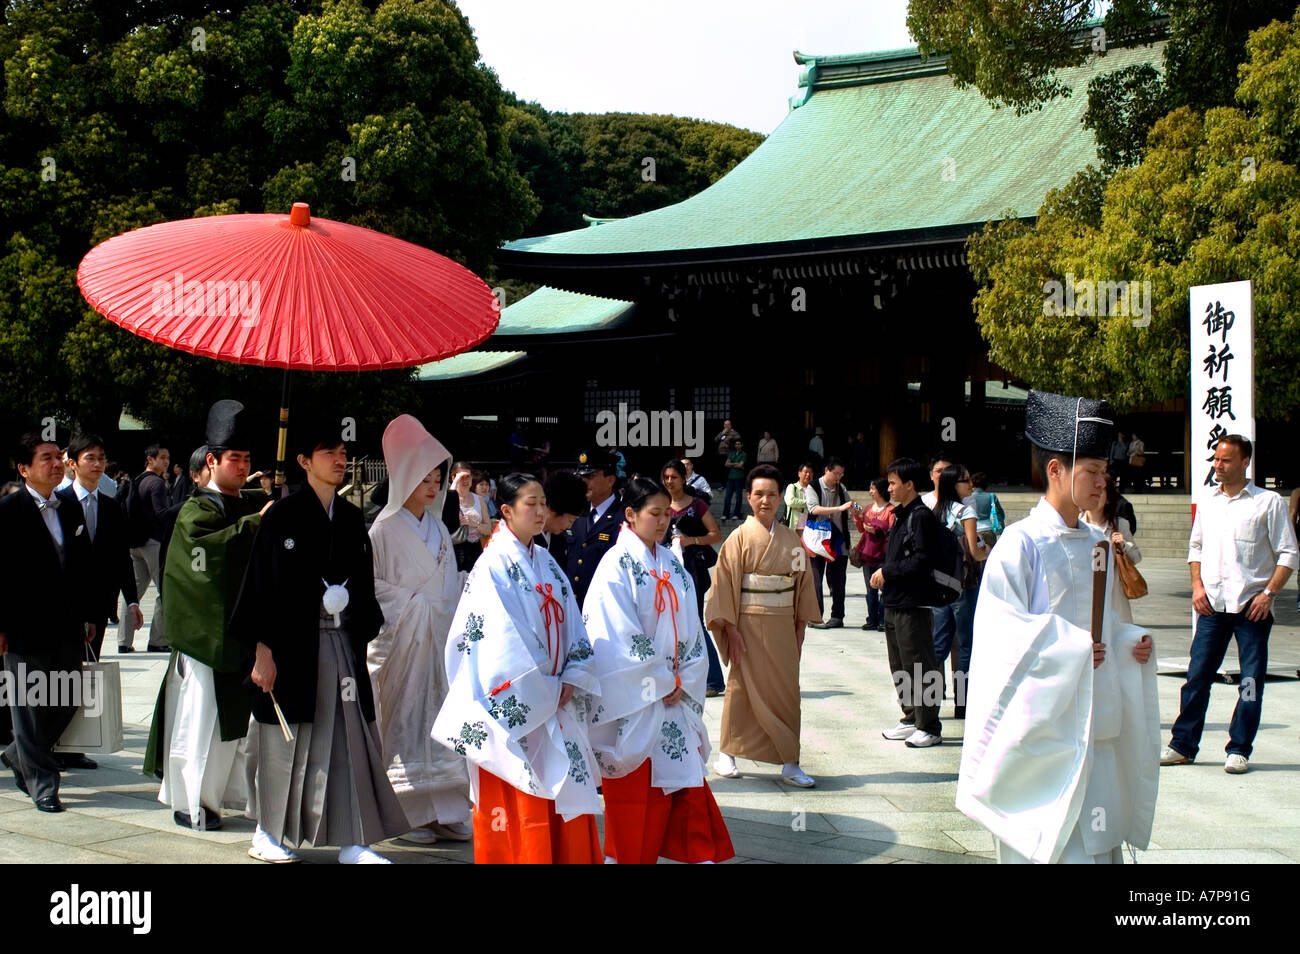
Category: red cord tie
[501,688]
[663,582]
[552,612]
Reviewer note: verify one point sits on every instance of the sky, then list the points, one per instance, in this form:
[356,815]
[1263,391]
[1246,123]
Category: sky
[723,60]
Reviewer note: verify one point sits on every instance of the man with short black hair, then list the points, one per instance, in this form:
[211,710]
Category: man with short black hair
[48,609]
[833,506]
[113,571]
[1241,553]
[149,495]
[566,501]
[909,628]
[306,612]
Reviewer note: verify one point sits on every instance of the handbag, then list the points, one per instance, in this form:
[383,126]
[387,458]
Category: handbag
[995,515]
[1130,578]
[97,725]
[855,555]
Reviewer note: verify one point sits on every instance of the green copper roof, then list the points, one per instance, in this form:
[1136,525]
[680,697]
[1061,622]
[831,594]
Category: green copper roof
[550,311]
[881,143]
[547,311]
[464,365]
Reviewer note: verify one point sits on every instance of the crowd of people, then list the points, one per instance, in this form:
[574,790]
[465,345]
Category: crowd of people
[502,659]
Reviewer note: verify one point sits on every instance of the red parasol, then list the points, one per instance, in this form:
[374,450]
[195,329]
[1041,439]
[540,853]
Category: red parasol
[288,291]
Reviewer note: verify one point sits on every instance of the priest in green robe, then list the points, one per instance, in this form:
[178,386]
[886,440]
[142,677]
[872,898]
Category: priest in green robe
[203,711]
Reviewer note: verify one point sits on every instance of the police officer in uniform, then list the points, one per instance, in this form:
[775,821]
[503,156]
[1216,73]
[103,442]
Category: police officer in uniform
[595,531]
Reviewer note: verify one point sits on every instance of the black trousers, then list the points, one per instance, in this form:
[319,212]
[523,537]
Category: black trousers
[836,573]
[909,640]
[37,728]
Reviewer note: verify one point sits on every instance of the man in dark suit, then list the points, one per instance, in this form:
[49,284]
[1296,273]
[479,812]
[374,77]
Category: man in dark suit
[111,571]
[594,532]
[47,615]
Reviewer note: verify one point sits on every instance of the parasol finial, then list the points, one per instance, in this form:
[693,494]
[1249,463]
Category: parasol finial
[300,214]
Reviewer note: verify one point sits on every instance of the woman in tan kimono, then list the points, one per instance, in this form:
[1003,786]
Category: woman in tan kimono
[417,587]
[761,600]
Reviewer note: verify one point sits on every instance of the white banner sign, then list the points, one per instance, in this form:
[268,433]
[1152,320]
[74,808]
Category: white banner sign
[1222,348]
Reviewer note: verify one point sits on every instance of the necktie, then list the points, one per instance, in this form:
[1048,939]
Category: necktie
[91,516]
[51,504]
[591,520]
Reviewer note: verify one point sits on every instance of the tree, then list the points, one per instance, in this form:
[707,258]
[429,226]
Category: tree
[1012,52]
[1215,197]
[119,115]
[617,164]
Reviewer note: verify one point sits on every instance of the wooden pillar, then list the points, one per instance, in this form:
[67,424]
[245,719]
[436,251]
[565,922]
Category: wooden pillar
[888,442]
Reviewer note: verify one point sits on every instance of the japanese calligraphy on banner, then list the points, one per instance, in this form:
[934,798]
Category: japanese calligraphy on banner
[1223,375]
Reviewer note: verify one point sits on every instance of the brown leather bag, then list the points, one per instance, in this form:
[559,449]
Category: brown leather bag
[1135,587]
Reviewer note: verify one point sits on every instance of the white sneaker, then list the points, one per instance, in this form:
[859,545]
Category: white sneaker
[794,775]
[360,855]
[1171,756]
[1235,765]
[726,766]
[419,836]
[922,740]
[265,848]
[899,732]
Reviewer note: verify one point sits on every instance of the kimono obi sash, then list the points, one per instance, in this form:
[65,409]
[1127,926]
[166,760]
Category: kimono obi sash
[766,590]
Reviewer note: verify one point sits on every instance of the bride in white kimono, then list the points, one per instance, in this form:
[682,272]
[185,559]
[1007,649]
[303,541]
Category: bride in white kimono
[648,730]
[417,587]
[522,680]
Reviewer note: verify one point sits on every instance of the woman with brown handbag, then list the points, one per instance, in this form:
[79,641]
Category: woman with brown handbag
[1121,538]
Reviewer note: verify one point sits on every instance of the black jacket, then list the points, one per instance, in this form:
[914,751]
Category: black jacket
[44,603]
[151,491]
[585,545]
[909,556]
[112,570]
[296,550]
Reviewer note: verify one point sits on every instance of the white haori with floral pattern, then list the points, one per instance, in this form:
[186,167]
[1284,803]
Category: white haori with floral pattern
[635,648]
[510,650]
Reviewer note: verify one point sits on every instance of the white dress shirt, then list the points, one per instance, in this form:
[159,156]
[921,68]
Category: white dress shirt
[1239,541]
[50,517]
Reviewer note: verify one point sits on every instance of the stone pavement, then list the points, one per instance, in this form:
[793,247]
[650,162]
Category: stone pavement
[875,801]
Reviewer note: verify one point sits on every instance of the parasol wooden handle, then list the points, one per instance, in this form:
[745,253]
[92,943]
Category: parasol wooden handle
[1100,555]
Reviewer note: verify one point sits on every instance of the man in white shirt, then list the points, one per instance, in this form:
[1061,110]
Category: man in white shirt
[1242,552]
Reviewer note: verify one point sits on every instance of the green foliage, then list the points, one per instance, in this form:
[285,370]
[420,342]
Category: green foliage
[145,121]
[1215,198]
[596,163]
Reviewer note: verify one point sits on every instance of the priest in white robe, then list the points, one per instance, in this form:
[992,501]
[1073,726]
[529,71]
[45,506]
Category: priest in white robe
[1060,759]
[416,584]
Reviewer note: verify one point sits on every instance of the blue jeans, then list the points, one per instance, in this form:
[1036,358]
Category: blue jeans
[1208,648]
[875,604]
[957,620]
[736,488]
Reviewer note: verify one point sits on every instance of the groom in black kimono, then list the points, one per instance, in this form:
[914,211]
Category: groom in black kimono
[49,602]
[305,613]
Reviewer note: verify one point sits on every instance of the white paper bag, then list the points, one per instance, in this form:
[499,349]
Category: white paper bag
[97,726]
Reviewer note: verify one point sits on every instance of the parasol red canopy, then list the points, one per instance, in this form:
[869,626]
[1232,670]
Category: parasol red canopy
[288,291]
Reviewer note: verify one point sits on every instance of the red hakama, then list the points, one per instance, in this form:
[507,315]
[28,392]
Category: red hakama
[514,828]
[643,824]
